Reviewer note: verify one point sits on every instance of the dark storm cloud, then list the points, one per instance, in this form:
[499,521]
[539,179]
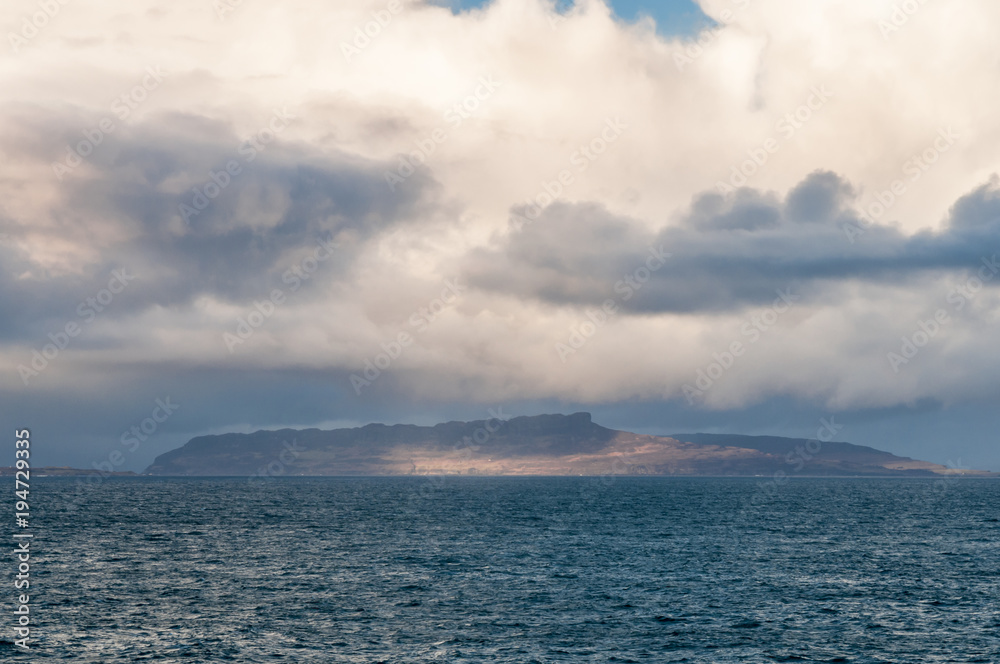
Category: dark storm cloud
[125,201]
[731,251]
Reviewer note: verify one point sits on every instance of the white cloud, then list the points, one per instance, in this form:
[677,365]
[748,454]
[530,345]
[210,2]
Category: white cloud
[559,86]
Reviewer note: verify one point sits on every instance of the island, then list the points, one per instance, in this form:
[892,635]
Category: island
[531,445]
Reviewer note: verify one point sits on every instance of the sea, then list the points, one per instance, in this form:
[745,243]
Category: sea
[511,569]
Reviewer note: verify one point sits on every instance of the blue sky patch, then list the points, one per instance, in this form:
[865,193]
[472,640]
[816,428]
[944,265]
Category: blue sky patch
[673,17]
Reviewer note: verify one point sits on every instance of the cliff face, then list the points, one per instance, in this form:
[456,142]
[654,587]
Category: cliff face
[540,445]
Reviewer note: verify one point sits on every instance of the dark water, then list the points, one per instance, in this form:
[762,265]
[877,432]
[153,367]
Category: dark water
[514,570]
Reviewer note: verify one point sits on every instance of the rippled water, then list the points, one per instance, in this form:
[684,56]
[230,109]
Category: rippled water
[515,570]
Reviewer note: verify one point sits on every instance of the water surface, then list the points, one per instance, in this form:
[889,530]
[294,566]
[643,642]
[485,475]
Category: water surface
[515,570]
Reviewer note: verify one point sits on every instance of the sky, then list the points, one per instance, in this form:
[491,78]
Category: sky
[674,18]
[746,216]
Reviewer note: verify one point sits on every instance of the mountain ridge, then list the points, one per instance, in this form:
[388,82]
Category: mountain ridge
[549,444]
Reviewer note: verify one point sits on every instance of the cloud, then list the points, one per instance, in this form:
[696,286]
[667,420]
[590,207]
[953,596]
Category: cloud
[753,156]
[729,252]
[141,203]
